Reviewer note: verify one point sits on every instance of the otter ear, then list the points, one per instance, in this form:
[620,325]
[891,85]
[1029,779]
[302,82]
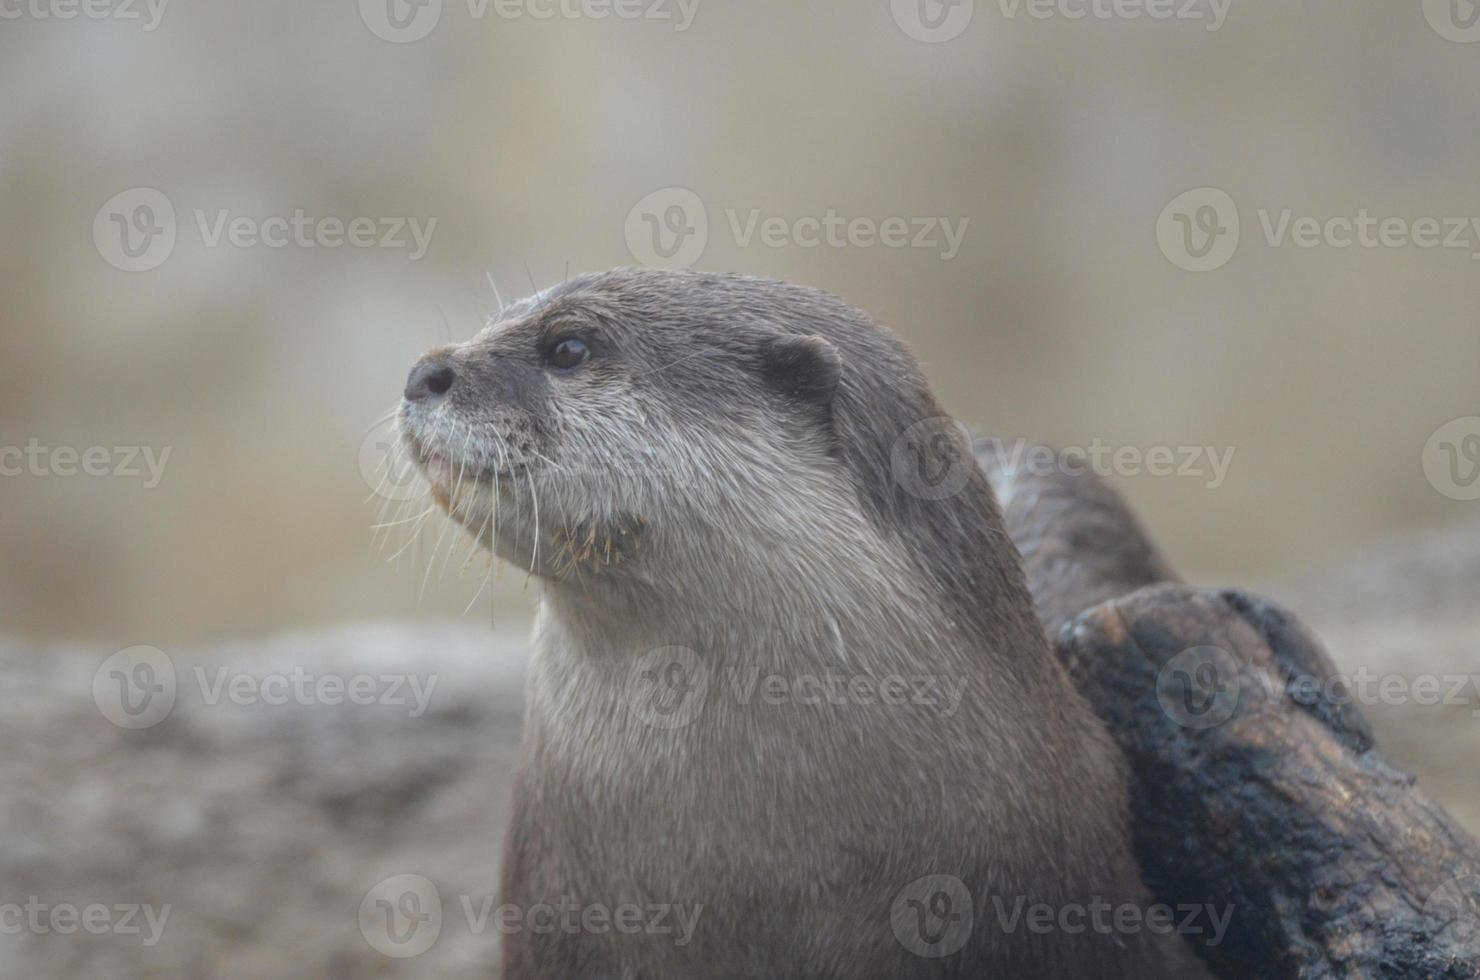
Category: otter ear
[802,367]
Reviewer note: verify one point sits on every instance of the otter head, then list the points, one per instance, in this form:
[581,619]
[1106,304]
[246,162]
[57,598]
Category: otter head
[631,419]
[662,427]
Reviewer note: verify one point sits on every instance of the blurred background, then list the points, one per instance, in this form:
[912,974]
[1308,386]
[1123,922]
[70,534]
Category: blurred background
[525,146]
[1226,248]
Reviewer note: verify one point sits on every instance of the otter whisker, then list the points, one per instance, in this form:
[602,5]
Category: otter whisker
[392,413]
[432,558]
[446,324]
[455,498]
[487,575]
[387,468]
[432,561]
[502,448]
[497,298]
[414,534]
[401,505]
[407,520]
[539,298]
[534,561]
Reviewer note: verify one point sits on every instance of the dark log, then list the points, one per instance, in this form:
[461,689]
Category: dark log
[1258,786]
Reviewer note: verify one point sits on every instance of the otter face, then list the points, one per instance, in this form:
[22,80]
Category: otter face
[567,434]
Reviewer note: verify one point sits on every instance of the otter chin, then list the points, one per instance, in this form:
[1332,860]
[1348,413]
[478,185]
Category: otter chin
[704,471]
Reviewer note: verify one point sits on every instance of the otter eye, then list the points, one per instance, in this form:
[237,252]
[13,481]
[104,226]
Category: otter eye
[568,353]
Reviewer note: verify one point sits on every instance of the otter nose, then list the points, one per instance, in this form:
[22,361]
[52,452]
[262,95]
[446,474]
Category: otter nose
[432,377]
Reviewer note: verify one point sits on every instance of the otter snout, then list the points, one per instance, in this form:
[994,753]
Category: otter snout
[432,377]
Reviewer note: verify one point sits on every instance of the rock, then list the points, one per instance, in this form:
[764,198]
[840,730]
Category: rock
[260,826]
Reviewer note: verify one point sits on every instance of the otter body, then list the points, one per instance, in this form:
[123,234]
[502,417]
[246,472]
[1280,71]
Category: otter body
[790,713]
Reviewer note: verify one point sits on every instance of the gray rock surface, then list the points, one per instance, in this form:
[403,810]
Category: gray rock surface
[262,826]
[265,827]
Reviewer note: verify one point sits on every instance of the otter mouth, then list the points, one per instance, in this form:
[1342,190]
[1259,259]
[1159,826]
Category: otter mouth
[446,469]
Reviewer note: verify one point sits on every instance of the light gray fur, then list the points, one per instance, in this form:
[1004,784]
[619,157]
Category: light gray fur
[764,533]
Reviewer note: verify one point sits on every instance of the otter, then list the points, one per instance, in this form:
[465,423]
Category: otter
[790,711]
